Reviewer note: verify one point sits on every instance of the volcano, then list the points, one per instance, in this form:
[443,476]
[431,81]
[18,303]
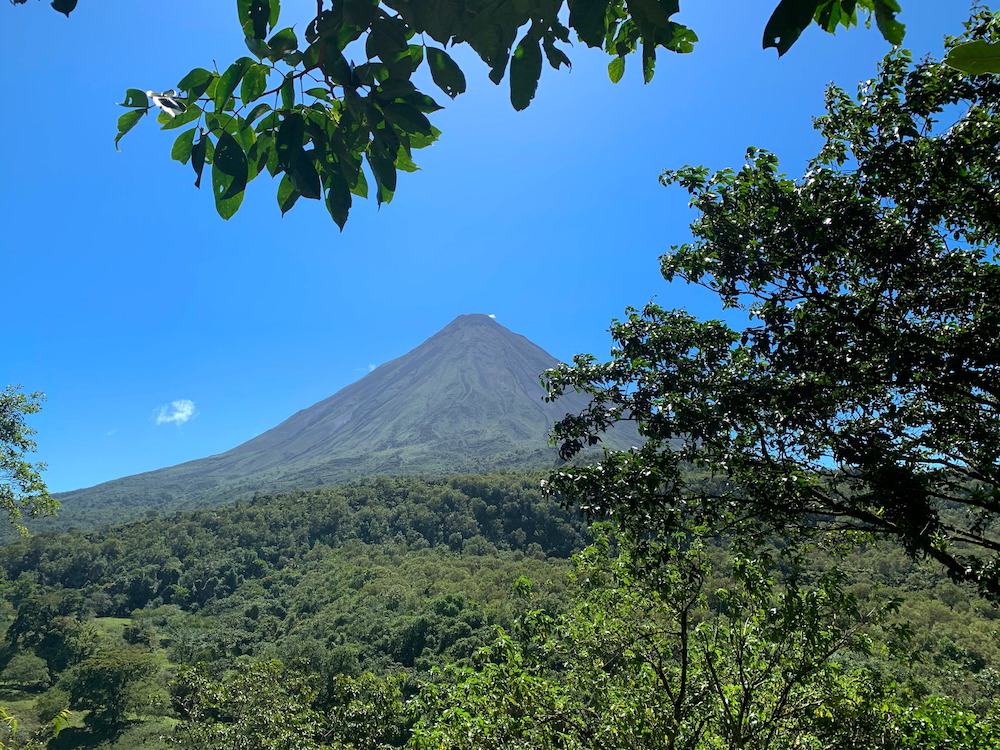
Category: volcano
[467,400]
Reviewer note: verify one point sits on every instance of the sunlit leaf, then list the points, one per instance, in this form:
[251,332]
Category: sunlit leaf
[126,122]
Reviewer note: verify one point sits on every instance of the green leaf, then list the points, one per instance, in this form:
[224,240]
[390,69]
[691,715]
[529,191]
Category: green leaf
[287,194]
[196,83]
[258,111]
[229,81]
[258,47]
[589,19]
[255,16]
[975,58]
[616,69]
[229,176]
[126,122]
[281,43]
[885,18]
[135,98]
[192,113]
[405,162]
[424,140]
[556,57]
[320,93]
[406,118]
[231,161]
[64,6]
[648,62]
[446,74]
[525,70]
[385,174]
[254,82]
[288,91]
[198,154]
[260,153]
[289,139]
[386,39]
[787,23]
[338,198]
[222,123]
[182,147]
[360,187]
[304,175]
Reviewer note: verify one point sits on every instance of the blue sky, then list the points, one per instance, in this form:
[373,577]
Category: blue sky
[129,301]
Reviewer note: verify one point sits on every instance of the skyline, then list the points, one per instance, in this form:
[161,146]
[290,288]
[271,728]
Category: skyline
[162,333]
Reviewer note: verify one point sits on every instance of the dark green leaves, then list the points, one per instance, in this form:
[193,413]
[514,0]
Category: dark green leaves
[126,122]
[182,148]
[589,19]
[525,70]
[229,175]
[198,153]
[254,82]
[885,18]
[975,57]
[791,18]
[282,43]
[257,16]
[369,108]
[64,6]
[446,74]
[787,23]
[135,98]
[196,83]
[229,81]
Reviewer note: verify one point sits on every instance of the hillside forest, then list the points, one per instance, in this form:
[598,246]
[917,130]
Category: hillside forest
[473,611]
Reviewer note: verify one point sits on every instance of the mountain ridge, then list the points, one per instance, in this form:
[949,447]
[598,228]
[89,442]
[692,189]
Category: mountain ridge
[467,399]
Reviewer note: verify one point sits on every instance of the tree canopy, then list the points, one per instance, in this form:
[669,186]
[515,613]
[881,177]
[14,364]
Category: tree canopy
[21,487]
[314,107]
[863,395]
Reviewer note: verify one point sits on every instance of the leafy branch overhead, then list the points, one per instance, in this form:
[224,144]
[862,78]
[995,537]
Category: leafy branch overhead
[337,113]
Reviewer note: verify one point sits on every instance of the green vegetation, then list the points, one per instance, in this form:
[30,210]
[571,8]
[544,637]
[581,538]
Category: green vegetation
[21,487]
[336,115]
[366,616]
[863,396]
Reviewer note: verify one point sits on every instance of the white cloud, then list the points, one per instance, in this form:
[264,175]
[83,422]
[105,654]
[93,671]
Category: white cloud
[111,432]
[371,367]
[491,315]
[178,412]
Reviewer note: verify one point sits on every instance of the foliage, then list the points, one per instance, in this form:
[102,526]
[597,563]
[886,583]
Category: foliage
[314,110]
[863,396]
[26,670]
[664,660]
[110,685]
[21,487]
[261,706]
[13,736]
[976,56]
[267,705]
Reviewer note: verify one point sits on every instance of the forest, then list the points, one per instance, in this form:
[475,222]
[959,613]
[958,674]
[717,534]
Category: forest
[473,611]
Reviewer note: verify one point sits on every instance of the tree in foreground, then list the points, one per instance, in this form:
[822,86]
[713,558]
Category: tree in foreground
[669,660]
[314,110]
[22,490]
[865,393]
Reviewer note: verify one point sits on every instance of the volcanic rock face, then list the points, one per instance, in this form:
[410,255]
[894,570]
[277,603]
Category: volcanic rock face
[466,400]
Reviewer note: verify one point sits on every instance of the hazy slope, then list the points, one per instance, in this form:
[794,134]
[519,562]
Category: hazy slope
[466,400]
